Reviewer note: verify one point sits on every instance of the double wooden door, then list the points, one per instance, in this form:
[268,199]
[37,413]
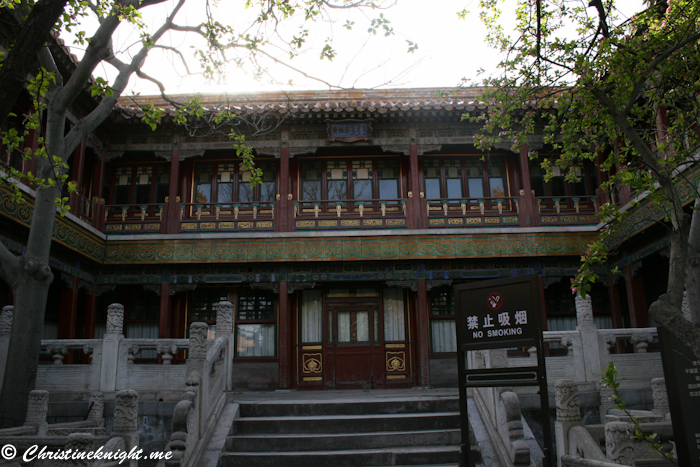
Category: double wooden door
[356,348]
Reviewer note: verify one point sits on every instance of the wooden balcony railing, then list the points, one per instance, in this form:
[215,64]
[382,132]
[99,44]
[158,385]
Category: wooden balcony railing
[313,215]
[567,210]
[227,217]
[473,212]
[134,218]
[350,214]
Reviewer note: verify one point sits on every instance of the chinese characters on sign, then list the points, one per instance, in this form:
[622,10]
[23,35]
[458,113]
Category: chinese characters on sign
[349,131]
[682,372]
[498,317]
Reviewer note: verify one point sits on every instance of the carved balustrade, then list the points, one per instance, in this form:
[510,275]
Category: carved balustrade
[473,212]
[567,210]
[134,218]
[227,217]
[350,214]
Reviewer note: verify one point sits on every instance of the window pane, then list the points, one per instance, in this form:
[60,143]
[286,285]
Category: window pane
[203,182]
[497,188]
[394,317]
[362,189]
[432,188]
[311,191]
[311,181]
[337,189]
[256,307]
[441,303]
[558,186]
[162,183]
[143,194]
[476,187]
[255,340]
[122,182]
[443,337]
[388,189]
[311,316]
[245,192]
[268,191]
[454,188]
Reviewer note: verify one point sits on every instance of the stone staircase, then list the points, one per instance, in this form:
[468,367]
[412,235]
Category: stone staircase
[345,432]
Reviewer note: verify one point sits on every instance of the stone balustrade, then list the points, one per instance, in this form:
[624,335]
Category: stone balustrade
[112,362]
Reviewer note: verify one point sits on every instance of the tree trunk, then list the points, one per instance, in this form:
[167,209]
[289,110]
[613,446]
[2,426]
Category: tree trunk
[30,293]
[692,278]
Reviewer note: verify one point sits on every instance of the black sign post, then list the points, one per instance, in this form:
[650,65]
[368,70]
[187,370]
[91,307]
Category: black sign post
[682,372]
[501,313]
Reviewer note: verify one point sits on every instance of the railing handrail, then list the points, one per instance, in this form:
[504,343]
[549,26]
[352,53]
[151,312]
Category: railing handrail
[492,199]
[232,203]
[571,461]
[133,205]
[349,202]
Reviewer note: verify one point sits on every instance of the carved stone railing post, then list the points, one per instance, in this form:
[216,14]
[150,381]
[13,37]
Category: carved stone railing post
[568,413]
[224,328]
[37,408]
[618,443]
[196,366]
[606,402]
[590,343]
[78,443]
[114,333]
[641,342]
[5,331]
[658,388]
[126,419]
[96,411]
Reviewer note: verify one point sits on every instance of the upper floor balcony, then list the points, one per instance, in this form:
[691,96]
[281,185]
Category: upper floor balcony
[321,194]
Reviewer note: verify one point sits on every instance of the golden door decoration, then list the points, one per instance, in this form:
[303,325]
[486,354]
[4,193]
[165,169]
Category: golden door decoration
[312,363]
[395,361]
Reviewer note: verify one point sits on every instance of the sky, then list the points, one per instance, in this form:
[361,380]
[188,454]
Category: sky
[449,49]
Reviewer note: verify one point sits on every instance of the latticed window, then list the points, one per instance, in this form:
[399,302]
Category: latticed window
[256,324]
[466,177]
[442,321]
[228,182]
[388,175]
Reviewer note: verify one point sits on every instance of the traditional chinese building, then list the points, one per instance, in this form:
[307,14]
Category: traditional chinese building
[340,262]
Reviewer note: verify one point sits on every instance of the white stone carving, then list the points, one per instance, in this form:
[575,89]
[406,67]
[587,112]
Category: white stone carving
[115,319]
[641,341]
[658,387]
[606,402]
[567,400]
[224,317]
[126,412]
[198,341]
[97,407]
[37,407]
[584,309]
[618,443]
[6,320]
[78,442]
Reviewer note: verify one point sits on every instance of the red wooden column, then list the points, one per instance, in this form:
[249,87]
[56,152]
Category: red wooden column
[423,344]
[417,217]
[285,339]
[97,186]
[636,299]
[77,176]
[283,206]
[173,208]
[91,313]
[528,216]
[68,314]
[164,317]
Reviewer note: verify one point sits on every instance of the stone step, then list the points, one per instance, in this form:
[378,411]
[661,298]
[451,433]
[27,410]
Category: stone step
[346,423]
[305,408]
[406,456]
[341,441]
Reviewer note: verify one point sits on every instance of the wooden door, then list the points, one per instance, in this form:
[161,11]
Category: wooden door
[351,345]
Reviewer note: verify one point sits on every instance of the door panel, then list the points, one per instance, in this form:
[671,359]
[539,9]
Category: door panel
[361,343]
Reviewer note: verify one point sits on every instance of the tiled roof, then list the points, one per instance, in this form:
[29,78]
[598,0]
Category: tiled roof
[300,102]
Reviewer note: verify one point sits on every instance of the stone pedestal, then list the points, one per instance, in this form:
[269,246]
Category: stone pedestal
[591,345]
[568,413]
[110,347]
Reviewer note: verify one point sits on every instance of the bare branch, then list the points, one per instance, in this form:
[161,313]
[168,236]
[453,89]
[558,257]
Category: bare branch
[176,51]
[9,266]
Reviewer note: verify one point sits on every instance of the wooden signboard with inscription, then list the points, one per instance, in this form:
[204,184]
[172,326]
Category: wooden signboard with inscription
[682,372]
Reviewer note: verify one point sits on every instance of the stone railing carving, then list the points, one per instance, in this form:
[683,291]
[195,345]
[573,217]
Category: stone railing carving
[208,377]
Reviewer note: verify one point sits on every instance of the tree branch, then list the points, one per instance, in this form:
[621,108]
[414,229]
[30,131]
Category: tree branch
[9,266]
[22,56]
